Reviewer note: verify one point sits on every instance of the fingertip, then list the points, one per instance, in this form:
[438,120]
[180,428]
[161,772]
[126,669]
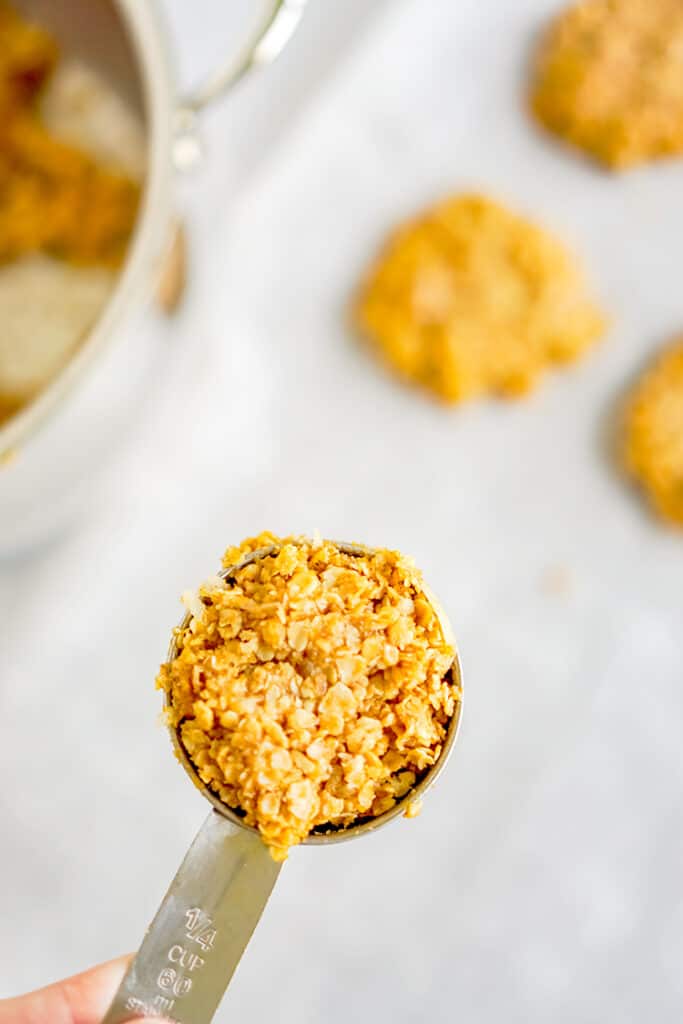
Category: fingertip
[83,998]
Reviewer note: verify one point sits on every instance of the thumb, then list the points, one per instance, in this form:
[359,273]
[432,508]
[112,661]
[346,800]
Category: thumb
[83,999]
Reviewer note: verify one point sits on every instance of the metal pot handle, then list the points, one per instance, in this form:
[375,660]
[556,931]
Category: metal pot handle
[266,44]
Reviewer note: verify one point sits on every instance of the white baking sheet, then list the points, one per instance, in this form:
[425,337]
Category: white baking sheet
[542,882]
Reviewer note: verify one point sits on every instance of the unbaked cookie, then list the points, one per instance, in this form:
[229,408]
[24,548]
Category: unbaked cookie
[653,441]
[470,299]
[313,688]
[609,79]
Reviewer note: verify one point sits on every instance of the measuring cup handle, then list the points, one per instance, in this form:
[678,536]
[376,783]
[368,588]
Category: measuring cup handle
[201,929]
[265,45]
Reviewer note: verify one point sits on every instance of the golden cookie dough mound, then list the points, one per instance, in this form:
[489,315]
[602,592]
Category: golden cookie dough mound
[471,299]
[653,444]
[609,79]
[314,687]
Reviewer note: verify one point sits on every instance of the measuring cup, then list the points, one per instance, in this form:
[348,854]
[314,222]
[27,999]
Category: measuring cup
[209,913]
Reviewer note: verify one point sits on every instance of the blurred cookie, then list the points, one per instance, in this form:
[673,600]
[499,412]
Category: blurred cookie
[609,79]
[470,299]
[653,441]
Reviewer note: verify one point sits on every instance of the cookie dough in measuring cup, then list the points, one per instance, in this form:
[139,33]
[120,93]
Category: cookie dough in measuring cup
[313,694]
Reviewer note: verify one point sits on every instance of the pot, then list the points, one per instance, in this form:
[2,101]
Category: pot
[50,450]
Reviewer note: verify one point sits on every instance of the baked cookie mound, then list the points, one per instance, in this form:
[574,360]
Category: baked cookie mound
[609,79]
[470,299]
[653,434]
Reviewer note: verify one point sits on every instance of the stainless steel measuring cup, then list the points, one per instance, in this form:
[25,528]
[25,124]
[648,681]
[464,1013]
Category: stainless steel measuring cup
[209,913]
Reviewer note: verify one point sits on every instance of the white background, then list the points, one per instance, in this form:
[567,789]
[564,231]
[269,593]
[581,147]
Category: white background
[543,880]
